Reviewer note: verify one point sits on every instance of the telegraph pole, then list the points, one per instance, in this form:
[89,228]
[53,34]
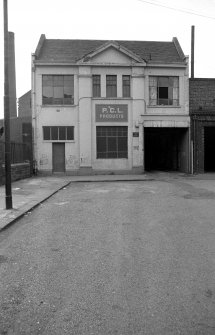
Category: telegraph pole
[8,193]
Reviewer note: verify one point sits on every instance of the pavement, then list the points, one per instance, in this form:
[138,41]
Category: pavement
[29,193]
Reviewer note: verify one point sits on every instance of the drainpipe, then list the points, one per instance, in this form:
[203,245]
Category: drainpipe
[192,142]
[192,50]
[34,114]
[141,132]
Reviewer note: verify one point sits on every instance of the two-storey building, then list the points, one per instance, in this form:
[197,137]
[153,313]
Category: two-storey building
[110,106]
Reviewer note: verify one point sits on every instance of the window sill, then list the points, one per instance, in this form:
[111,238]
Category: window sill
[59,141]
[112,98]
[57,106]
[163,106]
[111,158]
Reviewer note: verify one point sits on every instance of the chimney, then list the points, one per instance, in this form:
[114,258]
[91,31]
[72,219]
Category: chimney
[192,50]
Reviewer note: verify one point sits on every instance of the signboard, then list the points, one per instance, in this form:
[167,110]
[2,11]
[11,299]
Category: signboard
[111,113]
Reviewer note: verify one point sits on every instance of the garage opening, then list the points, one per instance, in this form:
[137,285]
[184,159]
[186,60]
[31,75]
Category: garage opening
[166,149]
[209,149]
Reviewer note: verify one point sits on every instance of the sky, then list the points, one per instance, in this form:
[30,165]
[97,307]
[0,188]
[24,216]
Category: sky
[151,20]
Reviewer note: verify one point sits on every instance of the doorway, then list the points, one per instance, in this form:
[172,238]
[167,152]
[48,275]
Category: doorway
[166,149]
[209,149]
[58,157]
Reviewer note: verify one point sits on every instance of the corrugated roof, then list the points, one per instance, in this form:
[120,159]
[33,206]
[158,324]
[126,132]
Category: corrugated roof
[63,51]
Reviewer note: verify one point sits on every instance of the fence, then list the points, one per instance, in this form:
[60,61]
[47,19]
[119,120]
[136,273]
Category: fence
[20,152]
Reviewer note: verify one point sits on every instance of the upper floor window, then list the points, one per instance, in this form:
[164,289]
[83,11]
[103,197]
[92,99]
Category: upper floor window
[164,91]
[126,86]
[58,89]
[111,86]
[96,85]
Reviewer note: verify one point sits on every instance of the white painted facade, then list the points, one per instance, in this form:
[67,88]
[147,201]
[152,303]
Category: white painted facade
[80,153]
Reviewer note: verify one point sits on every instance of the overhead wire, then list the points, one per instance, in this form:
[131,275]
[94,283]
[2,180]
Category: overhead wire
[178,9]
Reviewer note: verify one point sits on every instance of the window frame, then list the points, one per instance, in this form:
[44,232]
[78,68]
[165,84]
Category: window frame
[126,86]
[111,86]
[56,84]
[96,86]
[161,94]
[50,130]
[111,137]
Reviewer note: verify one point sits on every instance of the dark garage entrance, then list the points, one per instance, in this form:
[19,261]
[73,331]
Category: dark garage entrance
[166,149]
[209,146]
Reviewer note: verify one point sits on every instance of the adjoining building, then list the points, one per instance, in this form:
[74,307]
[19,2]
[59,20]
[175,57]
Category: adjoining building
[20,127]
[110,106]
[202,111]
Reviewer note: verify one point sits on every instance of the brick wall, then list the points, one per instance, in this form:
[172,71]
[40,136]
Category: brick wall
[24,107]
[202,94]
[18,171]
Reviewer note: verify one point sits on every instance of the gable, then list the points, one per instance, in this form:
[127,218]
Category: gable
[111,53]
[111,56]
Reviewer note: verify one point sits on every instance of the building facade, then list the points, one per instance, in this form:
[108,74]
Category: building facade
[110,106]
[202,112]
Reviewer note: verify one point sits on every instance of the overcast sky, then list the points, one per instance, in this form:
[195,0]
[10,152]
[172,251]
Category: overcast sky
[151,20]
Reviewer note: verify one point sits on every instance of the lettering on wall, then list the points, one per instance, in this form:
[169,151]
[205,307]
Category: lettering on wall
[112,113]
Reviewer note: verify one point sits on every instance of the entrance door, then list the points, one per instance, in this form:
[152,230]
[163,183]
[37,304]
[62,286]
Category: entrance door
[58,157]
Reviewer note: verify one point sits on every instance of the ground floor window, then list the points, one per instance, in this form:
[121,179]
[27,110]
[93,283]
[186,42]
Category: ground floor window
[112,142]
[58,133]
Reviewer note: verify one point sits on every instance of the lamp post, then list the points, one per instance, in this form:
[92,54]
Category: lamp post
[8,193]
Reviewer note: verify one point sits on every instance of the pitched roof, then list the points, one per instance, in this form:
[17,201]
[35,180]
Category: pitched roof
[70,51]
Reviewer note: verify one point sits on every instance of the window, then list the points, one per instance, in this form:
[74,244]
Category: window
[111,86]
[112,142]
[96,85]
[58,90]
[58,133]
[126,86]
[164,91]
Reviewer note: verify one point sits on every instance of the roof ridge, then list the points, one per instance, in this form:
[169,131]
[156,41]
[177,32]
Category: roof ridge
[106,40]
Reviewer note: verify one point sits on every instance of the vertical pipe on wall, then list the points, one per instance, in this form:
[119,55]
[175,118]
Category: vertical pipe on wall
[192,50]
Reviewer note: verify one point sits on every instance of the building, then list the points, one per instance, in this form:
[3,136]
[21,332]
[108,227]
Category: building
[202,111]
[110,106]
[24,105]
[21,153]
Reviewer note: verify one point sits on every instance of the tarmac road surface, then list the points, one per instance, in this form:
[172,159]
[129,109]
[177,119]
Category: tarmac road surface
[118,258]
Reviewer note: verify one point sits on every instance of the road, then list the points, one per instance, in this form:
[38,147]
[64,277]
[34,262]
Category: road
[113,258]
